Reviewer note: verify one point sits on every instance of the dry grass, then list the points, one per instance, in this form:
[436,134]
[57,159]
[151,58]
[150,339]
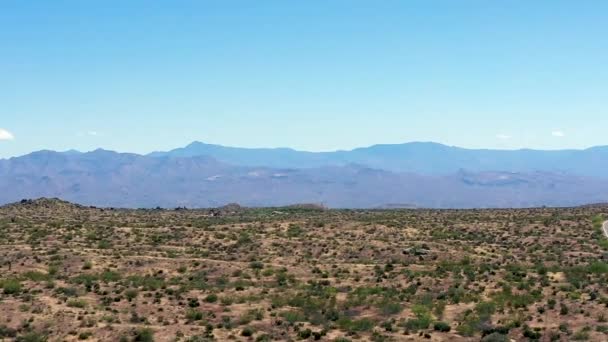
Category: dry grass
[78,273]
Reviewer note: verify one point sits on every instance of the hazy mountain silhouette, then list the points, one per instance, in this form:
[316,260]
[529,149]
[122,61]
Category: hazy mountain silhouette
[200,176]
[417,157]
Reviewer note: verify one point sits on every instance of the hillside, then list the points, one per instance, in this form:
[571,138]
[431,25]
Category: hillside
[72,273]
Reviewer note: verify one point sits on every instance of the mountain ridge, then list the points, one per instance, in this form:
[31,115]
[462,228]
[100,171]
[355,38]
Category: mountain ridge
[107,178]
[374,146]
[419,157]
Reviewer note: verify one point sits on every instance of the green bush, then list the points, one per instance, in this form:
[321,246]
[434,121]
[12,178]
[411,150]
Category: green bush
[581,335]
[6,332]
[247,332]
[144,335]
[32,337]
[423,318]
[495,337]
[211,298]
[294,230]
[485,310]
[85,335]
[194,315]
[293,316]
[11,286]
[532,334]
[131,294]
[442,326]
[390,307]
[353,326]
[305,334]
[598,267]
[110,276]
[256,265]
[36,276]
[77,303]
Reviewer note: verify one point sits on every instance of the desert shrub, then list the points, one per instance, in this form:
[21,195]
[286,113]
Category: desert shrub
[263,338]
[582,335]
[495,337]
[442,326]
[32,337]
[131,294]
[598,267]
[36,276]
[85,335]
[211,298]
[53,270]
[532,334]
[110,276]
[360,325]
[305,334]
[67,291]
[193,303]
[485,310]
[470,324]
[6,332]
[85,279]
[11,286]
[507,298]
[143,335]
[77,303]
[254,314]
[247,332]
[256,265]
[294,230]
[148,283]
[226,322]
[104,244]
[439,308]
[423,318]
[390,307]
[198,280]
[194,315]
[293,316]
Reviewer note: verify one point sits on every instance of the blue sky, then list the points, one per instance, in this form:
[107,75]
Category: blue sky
[314,75]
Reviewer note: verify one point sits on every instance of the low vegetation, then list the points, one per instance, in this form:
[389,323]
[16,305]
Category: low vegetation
[278,274]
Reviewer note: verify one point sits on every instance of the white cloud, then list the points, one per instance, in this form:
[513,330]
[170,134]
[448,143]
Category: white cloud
[558,134]
[89,134]
[6,135]
[503,136]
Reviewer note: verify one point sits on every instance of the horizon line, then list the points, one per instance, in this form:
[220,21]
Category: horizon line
[295,205]
[308,151]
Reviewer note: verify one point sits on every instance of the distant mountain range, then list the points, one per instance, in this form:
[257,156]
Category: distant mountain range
[391,176]
[416,157]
